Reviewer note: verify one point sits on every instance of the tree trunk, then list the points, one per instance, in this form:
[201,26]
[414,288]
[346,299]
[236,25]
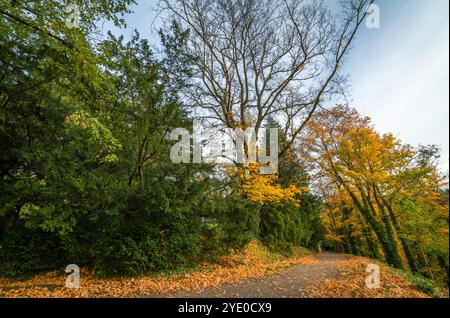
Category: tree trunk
[427,264]
[406,248]
[390,250]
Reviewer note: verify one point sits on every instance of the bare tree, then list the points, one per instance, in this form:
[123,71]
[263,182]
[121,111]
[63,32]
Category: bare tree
[259,58]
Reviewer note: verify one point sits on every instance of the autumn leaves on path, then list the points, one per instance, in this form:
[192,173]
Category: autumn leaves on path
[288,283]
[333,275]
[254,272]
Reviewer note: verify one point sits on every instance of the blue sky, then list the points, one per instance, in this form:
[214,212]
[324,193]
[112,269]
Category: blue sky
[399,72]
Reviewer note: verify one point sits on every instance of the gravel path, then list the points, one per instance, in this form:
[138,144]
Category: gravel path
[288,283]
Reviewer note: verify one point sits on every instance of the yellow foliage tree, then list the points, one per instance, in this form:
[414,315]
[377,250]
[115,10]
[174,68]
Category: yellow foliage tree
[377,172]
[264,188]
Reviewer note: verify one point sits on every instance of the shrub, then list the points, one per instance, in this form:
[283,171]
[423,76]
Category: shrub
[25,251]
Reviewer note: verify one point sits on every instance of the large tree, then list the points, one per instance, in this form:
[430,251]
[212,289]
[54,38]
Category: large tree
[255,59]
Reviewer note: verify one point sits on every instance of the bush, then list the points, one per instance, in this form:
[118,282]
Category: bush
[127,256]
[25,251]
[149,240]
[284,226]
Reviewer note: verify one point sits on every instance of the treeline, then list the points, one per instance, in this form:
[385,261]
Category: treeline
[85,169]
[383,199]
